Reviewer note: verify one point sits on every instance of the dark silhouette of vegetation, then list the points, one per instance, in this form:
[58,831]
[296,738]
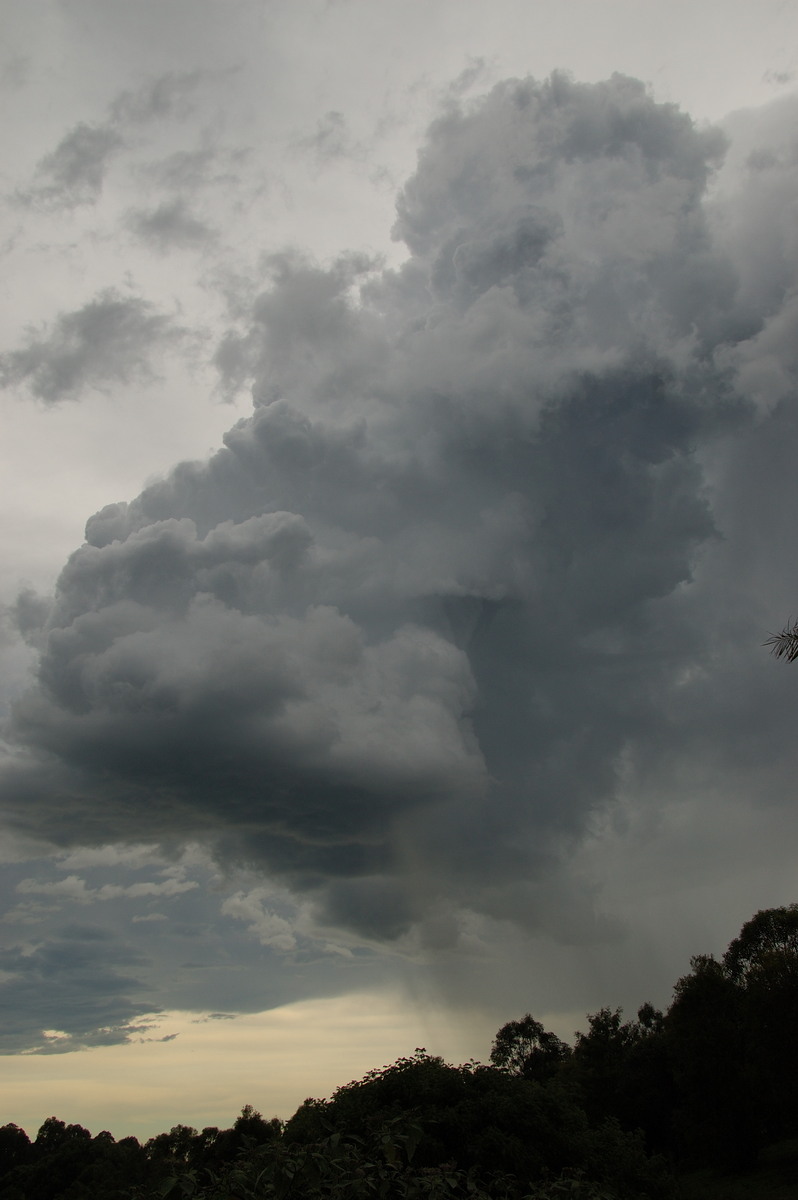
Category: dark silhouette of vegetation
[784,644]
[525,1048]
[647,1108]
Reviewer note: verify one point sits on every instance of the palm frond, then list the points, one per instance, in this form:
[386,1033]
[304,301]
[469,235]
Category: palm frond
[784,644]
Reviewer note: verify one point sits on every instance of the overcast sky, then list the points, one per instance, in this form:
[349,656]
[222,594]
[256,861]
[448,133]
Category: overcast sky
[399,440]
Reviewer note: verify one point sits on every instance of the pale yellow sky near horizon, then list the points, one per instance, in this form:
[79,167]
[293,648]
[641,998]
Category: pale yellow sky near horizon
[272,1060]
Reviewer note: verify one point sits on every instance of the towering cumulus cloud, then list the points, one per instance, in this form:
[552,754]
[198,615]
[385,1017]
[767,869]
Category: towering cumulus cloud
[437,598]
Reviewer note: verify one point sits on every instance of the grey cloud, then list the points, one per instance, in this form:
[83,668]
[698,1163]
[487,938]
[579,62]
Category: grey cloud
[113,338]
[73,173]
[87,967]
[117,856]
[192,169]
[166,96]
[74,888]
[29,614]
[269,927]
[14,72]
[184,169]
[170,225]
[303,319]
[756,229]
[79,984]
[476,72]
[331,140]
[452,591]
[780,78]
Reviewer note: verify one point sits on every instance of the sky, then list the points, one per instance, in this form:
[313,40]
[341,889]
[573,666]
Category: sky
[399,436]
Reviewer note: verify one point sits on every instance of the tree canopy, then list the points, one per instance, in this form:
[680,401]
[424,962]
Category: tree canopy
[620,1115]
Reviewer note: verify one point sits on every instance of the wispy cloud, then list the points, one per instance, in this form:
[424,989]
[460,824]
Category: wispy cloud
[331,140]
[75,889]
[73,173]
[170,226]
[113,338]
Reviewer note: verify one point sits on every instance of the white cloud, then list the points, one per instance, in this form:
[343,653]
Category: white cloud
[75,889]
[268,926]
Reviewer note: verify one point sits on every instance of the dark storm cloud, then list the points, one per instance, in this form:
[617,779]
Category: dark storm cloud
[454,585]
[111,339]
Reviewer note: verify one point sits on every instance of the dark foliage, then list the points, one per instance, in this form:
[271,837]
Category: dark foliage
[712,1083]
[784,644]
[481,1119]
[526,1048]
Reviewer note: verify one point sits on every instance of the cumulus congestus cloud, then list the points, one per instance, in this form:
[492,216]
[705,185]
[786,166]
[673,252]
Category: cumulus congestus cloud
[433,601]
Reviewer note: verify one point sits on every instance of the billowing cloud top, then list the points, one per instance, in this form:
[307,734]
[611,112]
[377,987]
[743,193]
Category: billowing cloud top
[444,594]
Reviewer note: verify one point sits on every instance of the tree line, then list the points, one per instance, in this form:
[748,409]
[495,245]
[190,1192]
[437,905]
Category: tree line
[627,1112]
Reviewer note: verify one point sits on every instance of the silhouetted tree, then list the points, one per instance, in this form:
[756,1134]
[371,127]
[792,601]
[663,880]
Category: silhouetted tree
[623,1071]
[525,1048]
[717,1119]
[763,962]
[15,1148]
[483,1119]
